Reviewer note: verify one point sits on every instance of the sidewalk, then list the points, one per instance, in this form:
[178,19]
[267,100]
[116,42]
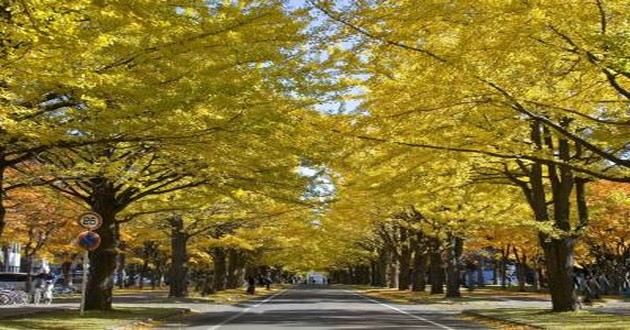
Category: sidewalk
[618,307]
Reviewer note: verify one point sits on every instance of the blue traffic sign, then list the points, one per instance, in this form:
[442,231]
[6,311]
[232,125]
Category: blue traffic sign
[89,240]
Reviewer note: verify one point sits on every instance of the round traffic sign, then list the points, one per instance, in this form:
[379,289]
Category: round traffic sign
[89,240]
[90,220]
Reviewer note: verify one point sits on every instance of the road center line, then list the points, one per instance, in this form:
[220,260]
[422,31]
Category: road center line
[234,317]
[442,326]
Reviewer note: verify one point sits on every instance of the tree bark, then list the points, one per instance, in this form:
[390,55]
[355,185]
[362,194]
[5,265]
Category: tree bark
[120,270]
[3,210]
[392,273]
[559,262]
[380,274]
[418,281]
[29,271]
[436,271]
[373,273]
[392,266]
[559,251]
[178,277]
[521,268]
[206,287]
[66,270]
[404,280]
[103,259]
[235,265]
[220,269]
[365,274]
[480,266]
[143,269]
[504,260]
[537,280]
[352,278]
[453,272]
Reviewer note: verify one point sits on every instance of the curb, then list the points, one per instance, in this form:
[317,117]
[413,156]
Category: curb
[164,317]
[496,319]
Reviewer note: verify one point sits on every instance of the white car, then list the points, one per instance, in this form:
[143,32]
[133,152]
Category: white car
[13,280]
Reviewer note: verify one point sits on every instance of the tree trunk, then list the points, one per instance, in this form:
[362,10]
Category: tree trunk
[480,266]
[66,270]
[418,281]
[392,273]
[3,210]
[351,275]
[29,271]
[452,267]
[373,273]
[366,275]
[220,269]
[436,272]
[235,265]
[503,269]
[103,259]
[380,274]
[207,284]
[537,279]
[404,280]
[559,262]
[178,277]
[120,272]
[521,269]
[143,270]
[131,275]
[558,252]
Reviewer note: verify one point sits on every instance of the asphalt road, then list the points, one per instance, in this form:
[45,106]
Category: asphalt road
[322,308]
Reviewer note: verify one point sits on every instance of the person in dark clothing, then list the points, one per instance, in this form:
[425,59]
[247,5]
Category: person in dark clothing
[251,285]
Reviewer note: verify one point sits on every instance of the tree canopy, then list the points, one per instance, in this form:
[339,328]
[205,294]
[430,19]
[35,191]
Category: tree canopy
[206,136]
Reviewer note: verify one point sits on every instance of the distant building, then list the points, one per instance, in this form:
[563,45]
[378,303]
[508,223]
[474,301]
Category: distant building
[11,257]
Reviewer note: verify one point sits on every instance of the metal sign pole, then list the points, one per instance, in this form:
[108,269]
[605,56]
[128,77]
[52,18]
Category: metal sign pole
[85,279]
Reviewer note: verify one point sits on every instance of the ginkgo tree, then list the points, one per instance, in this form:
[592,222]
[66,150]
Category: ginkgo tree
[43,221]
[178,96]
[415,202]
[539,87]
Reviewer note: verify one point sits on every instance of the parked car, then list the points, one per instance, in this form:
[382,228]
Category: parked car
[13,280]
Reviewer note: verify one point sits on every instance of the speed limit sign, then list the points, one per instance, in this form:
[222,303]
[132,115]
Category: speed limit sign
[90,220]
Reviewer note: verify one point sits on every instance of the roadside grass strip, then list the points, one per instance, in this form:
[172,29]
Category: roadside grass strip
[92,320]
[532,318]
[411,297]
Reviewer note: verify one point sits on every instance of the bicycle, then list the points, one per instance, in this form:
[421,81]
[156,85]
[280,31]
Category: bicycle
[13,297]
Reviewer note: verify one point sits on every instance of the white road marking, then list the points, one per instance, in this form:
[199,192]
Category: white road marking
[442,326]
[234,317]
